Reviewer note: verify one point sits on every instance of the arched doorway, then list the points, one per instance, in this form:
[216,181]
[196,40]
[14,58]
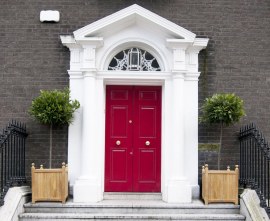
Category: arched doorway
[133,128]
[93,48]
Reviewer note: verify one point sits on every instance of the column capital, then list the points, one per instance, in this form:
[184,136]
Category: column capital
[179,47]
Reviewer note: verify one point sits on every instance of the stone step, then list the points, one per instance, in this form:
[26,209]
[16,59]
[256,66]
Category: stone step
[127,217]
[132,196]
[132,207]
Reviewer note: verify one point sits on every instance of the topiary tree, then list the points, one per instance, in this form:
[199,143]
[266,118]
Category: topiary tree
[53,108]
[222,109]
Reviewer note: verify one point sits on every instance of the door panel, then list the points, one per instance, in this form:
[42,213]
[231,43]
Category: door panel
[147,139]
[147,160]
[119,165]
[147,126]
[133,119]
[119,118]
[118,142]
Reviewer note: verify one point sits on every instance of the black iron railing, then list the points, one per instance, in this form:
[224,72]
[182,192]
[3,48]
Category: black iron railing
[255,163]
[12,157]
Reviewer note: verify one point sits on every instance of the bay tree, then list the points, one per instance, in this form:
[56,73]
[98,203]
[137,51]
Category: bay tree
[53,108]
[222,109]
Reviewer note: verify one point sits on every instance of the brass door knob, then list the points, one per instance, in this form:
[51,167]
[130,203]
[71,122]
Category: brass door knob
[118,142]
[147,143]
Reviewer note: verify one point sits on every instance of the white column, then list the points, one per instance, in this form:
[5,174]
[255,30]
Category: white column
[100,133]
[178,187]
[76,92]
[88,187]
[191,131]
[166,136]
[75,128]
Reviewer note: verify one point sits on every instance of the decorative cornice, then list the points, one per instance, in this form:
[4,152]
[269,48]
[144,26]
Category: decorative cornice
[89,74]
[178,75]
[69,41]
[95,41]
[75,74]
[192,76]
[178,43]
[187,76]
[199,44]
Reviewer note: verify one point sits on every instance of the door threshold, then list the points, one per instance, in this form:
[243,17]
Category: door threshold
[131,196]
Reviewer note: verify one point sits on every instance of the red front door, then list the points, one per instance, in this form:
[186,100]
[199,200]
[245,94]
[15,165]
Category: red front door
[133,139]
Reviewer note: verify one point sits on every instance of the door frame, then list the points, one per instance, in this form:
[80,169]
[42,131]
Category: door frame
[179,141]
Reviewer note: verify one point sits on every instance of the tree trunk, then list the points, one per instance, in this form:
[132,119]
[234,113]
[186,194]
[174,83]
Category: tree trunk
[220,144]
[50,162]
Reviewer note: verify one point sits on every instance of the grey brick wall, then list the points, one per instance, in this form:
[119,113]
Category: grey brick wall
[236,60]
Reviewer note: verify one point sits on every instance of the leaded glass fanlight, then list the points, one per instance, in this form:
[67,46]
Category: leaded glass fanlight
[134,59]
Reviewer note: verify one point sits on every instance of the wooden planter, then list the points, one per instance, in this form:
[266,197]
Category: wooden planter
[220,185]
[49,184]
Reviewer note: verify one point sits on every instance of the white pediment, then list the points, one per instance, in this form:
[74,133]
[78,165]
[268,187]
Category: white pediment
[133,14]
[95,45]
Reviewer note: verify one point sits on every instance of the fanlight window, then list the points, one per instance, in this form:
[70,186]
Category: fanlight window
[134,59]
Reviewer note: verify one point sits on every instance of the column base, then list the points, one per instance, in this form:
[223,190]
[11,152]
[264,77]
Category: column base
[178,191]
[195,191]
[87,191]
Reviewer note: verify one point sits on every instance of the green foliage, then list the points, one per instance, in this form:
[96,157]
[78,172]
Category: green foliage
[222,108]
[54,107]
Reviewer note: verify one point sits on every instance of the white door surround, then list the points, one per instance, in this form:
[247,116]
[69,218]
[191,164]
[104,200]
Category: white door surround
[176,50]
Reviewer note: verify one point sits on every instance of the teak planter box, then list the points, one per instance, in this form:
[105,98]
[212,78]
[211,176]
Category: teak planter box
[49,184]
[220,185]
